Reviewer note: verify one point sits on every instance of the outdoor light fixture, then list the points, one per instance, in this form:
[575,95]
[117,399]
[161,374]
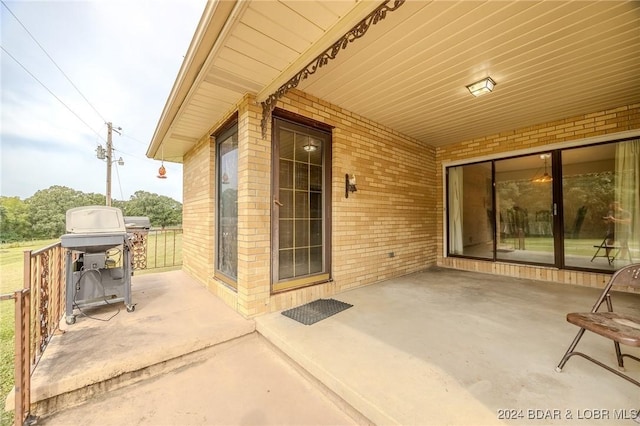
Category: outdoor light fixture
[349,185]
[481,87]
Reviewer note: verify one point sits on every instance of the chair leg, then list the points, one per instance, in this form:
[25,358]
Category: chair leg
[596,253]
[619,356]
[569,352]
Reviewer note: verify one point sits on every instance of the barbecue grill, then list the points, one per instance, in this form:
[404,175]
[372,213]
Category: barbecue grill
[100,271]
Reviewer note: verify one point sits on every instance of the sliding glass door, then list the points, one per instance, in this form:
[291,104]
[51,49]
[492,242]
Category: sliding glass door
[600,187]
[524,209]
[470,208]
[576,208]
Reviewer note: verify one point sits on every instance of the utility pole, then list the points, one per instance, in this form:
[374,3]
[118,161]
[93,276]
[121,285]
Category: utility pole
[107,154]
[109,149]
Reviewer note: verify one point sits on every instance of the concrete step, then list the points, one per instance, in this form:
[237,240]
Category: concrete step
[60,398]
[243,381]
[176,318]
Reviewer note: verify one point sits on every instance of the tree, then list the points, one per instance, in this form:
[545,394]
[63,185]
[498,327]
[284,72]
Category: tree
[47,209]
[161,210]
[43,215]
[14,219]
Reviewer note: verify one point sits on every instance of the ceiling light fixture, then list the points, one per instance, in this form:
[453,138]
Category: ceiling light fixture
[545,177]
[481,87]
[309,147]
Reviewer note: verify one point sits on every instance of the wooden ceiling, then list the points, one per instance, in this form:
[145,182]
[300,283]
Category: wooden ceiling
[550,59]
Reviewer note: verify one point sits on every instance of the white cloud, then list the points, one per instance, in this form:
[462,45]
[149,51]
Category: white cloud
[124,57]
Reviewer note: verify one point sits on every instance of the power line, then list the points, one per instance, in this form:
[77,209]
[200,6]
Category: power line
[50,92]
[124,135]
[54,62]
[119,182]
[139,157]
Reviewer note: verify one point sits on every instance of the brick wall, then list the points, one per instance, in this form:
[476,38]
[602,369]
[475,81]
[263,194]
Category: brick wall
[197,212]
[393,210]
[254,211]
[397,208]
[568,131]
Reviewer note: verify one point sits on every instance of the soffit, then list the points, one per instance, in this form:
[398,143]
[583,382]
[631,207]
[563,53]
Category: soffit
[257,44]
[409,71]
[550,60]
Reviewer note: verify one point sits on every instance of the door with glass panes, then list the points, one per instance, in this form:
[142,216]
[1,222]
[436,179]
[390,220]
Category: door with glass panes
[301,213]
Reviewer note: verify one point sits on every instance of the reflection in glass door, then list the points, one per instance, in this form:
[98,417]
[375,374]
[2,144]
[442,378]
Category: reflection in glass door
[525,209]
[601,205]
[300,210]
[470,210]
[227,206]
[577,207]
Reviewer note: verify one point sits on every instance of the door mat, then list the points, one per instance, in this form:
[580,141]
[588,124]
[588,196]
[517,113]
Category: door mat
[315,311]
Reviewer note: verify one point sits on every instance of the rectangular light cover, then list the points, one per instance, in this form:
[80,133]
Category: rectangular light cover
[481,87]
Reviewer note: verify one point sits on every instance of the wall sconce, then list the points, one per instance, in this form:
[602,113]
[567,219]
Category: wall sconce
[481,87]
[349,184]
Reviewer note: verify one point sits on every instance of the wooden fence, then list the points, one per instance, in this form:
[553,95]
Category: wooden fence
[38,309]
[40,304]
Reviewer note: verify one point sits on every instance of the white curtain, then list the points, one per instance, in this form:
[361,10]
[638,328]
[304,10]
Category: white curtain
[455,210]
[628,187]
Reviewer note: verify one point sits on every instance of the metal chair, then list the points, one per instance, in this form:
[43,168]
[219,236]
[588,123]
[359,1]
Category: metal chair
[618,327]
[611,251]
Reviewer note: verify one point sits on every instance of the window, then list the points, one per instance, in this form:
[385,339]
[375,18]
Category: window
[227,205]
[575,208]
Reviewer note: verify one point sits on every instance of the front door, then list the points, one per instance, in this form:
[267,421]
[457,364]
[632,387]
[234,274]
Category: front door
[301,211]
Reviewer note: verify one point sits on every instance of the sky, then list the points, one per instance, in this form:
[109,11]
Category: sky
[123,57]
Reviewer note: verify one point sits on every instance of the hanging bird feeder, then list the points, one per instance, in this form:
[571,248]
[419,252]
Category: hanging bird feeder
[162,172]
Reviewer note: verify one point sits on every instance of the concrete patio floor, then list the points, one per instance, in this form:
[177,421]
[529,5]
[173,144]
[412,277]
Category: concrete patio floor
[453,347]
[435,347]
[175,317]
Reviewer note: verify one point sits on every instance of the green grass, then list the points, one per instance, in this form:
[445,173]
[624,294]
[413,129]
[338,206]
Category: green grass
[164,249]
[573,247]
[163,253]
[11,271]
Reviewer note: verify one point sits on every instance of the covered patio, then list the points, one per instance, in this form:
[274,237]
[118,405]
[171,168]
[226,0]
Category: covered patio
[451,347]
[439,346]
[332,145]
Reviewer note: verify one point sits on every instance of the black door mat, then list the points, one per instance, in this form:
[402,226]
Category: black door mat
[315,311]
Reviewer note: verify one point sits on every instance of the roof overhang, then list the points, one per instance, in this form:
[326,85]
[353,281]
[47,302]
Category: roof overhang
[213,20]
[409,71]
